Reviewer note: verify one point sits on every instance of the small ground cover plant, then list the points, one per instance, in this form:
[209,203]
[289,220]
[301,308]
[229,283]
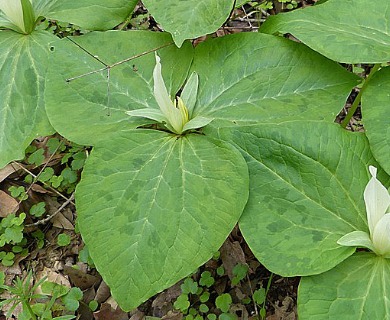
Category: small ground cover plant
[190,141]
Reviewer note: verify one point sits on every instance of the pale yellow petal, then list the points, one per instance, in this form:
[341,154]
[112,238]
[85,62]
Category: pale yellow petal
[14,12]
[377,200]
[381,236]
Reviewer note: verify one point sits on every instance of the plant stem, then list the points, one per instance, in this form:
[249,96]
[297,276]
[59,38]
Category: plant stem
[358,98]
[26,305]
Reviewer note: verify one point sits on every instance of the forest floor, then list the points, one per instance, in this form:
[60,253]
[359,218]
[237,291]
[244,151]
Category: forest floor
[53,248]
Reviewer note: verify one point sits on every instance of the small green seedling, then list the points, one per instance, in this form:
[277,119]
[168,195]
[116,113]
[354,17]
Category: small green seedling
[63,239]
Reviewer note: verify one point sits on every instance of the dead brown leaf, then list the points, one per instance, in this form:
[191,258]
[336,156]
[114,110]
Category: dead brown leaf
[80,279]
[8,204]
[106,312]
[231,255]
[7,171]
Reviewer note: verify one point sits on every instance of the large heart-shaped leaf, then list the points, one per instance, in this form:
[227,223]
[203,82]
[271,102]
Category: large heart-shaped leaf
[23,64]
[188,19]
[89,108]
[350,31]
[256,78]
[306,191]
[88,14]
[358,289]
[152,207]
[376,116]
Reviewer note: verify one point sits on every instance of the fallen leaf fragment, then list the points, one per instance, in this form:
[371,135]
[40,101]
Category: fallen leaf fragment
[8,204]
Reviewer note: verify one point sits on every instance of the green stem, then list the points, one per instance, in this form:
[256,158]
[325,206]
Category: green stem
[267,289]
[126,22]
[358,98]
[26,305]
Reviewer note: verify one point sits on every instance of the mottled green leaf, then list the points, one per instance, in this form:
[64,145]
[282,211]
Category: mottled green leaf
[89,109]
[88,14]
[152,207]
[376,116]
[188,19]
[349,31]
[306,192]
[257,78]
[23,63]
[357,289]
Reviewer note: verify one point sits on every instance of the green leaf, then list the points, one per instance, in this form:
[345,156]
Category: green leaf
[259,296]
[72,298]
[306,193]
[267,79]
[189,19]
[88,14]
[63,239]
[148,184]
[23,62]
[349,31]
[206,279]
[37,157]
[93,305]
[376,119]
[357,289]
[223,302]
[46,174]
[38,209]
[239,271]
[182,303]
[69,175]
[189,286]
[54,289]
[85,114]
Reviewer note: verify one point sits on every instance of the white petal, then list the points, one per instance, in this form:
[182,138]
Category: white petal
[377,200]
[356,239]
[148,113]
[160,91]
[381,236]
[14,12]
[190,92]
[197,122]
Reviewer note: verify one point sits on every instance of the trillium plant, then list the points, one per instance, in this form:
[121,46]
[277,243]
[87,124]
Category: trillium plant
[176,115]
[377,200]
[235,130]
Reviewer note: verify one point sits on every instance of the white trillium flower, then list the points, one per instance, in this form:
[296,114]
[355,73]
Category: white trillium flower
[20,14]
[175,114]
[377,200]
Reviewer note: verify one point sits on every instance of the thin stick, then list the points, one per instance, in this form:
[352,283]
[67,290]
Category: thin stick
[34,176]
[252,293]
[116,63]
[43,221]
[86,51]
